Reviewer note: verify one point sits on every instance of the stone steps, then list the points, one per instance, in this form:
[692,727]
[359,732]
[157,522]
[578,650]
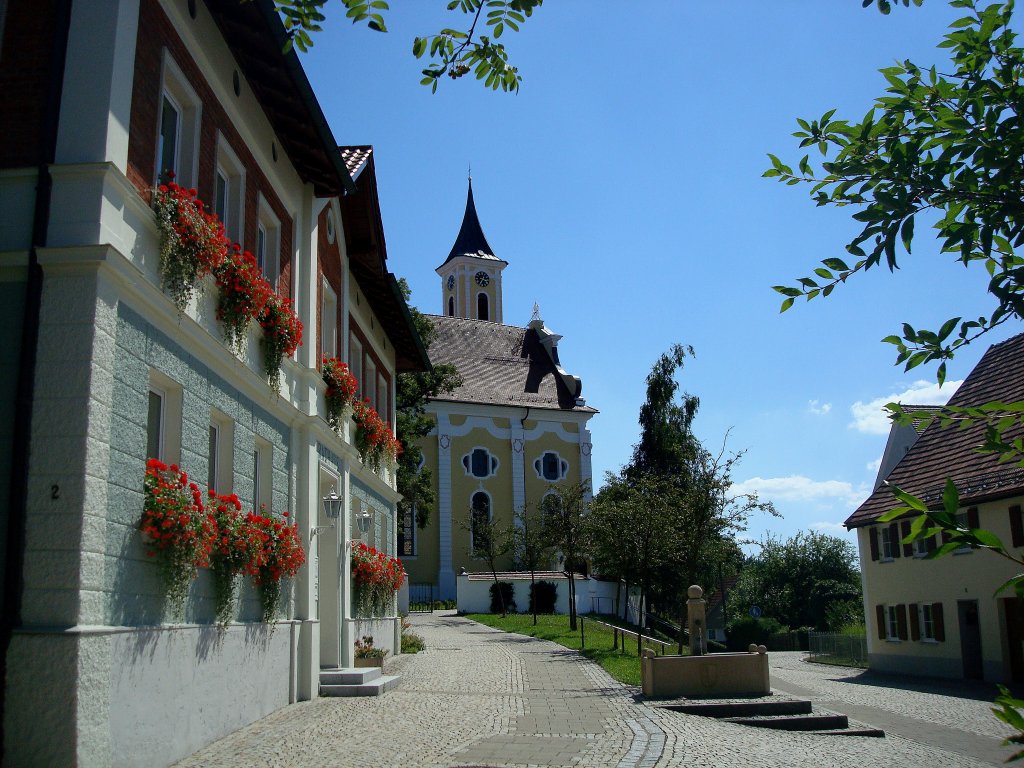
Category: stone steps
[361,681]
[775,713]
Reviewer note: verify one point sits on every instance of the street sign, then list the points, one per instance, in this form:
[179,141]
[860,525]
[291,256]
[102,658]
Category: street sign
[755,611]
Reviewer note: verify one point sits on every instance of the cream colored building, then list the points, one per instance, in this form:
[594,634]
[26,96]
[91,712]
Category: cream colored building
[517,425]
[941,616]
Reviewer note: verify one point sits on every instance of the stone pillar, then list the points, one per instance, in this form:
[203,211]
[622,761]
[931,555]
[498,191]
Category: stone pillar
[696,621]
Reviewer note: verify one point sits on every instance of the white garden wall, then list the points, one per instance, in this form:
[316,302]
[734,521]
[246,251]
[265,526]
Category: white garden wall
[592,596]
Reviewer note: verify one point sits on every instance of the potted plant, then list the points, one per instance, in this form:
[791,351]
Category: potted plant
[282,335]
[367,655]
[341,389]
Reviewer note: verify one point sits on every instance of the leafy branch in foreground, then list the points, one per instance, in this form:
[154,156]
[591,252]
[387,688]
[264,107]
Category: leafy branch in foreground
[451,51]
[944,145]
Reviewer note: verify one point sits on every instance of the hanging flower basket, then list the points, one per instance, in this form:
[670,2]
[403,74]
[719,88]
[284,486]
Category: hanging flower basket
[176,529]
[282,335]
[374,439]
[192,241]
[341,390]
[376,578]
[237,550]
[282,556]
[244,292]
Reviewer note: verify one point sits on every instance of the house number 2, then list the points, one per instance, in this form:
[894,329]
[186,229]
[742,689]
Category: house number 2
[55,492]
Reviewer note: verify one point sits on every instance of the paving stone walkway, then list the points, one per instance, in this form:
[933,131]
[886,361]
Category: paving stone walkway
[479,697]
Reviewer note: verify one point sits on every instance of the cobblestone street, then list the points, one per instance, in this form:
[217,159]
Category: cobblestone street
[480,697]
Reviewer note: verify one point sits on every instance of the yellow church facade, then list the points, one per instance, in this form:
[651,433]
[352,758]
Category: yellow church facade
[517,426]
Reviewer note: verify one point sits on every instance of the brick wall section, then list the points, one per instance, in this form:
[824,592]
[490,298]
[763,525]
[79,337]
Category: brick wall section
[328,265]
[156,33]
[28,33]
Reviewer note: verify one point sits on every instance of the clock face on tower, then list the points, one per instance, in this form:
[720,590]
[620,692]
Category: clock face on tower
[451,282]
[482,279]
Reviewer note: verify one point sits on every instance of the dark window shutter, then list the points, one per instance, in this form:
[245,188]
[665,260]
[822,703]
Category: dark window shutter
[873,536]
[946,538]
[972,518]
[908,549]
[915,628]
[932,544]
[901,622]
[1016,526]
[894,539]
[938,625]
[880,619]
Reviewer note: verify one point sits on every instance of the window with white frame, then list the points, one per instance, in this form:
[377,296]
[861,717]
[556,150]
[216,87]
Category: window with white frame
[892,626]
[355,362]
[480,463]
[220,453]
[229,191]
[177,127]
[329,321]
[382,396]
[551,467]
[155,425]
[163,418]
[927,621]
[888,543]
[921,546]
[370,385]
[268,243]
[262,476]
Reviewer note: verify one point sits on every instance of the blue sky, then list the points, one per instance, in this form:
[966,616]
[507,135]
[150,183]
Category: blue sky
[623,186]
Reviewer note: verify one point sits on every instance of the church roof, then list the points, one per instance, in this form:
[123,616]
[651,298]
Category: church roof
[501,365]
[471,240]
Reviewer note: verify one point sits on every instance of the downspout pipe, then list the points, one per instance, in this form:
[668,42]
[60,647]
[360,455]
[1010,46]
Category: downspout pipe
[14,559]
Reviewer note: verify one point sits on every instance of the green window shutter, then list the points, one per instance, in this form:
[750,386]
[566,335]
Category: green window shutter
[894,537]
[873,537]
[880,620]
[915,627]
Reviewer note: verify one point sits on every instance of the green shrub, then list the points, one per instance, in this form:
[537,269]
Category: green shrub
[507,594]
[543,595]
[411,642]
[746,630]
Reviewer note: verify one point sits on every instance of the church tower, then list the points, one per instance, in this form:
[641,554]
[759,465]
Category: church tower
[471,275]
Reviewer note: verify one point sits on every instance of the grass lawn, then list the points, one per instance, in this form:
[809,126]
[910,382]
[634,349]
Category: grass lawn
[838,661]
[624,666]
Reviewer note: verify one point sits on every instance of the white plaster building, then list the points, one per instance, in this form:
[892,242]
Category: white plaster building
[100,371]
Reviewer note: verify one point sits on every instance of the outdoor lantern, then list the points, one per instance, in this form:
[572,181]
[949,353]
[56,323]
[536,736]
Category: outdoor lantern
[332,506]
[364,522]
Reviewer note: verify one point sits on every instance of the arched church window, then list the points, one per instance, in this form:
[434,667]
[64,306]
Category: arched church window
[480,513]
[482,307]
[551,467]
[480,463]
[451,306]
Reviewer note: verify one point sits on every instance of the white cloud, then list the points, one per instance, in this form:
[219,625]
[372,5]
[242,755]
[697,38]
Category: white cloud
[871,418]
[874,466]
[816,409]
[797,488]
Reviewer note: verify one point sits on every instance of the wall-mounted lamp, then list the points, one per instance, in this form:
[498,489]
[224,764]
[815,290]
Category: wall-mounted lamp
[332,505]
[332,510]
[363,520]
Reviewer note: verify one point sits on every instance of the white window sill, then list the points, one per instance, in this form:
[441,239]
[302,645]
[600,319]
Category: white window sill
[893,640]
[886,560]
[929,640]
[963,551]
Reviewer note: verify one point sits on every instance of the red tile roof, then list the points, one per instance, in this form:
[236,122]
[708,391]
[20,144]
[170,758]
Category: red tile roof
[355,158]
[943,452]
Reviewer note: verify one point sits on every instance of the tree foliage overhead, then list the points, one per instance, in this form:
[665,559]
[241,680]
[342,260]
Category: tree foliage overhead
[943,144]
[453,51]
[413,390]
